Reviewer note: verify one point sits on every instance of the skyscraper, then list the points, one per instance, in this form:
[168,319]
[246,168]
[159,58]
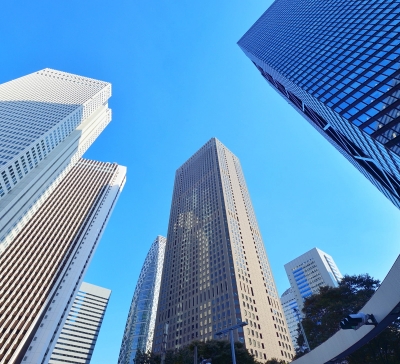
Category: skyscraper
[216,272]
[310,271]
[48,120]
[306,274]
[79,332]
[44,266]
[292,313]
[139,329]
[337,64]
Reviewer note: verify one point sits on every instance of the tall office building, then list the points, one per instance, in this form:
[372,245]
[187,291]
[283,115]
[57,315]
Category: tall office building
[139,329]
[306,274]
[48,120]
[79,332]
[216,272]
[337,64]
[310,271]
[292,313]
[44,266]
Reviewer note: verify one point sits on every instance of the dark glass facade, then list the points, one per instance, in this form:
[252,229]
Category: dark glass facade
[337,63]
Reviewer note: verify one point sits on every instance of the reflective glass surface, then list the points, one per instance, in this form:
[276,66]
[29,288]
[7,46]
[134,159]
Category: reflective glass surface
[139,329]
[337,63]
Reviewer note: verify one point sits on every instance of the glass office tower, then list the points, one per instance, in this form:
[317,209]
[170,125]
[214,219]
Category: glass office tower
[139,329]
[337,63]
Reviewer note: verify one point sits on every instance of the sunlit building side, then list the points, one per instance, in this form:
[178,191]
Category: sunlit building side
[307,273]
[48,119]
[80,330]
[216,272]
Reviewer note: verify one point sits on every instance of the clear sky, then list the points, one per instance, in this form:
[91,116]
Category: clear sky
[179,79]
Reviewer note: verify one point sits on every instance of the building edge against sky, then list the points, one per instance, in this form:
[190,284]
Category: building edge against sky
[79,333]
[139,328]
[54,259]
[216,272]
[49,119]
[337,64]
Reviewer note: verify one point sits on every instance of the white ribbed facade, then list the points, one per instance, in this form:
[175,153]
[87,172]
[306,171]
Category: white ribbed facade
[78,262]
[55,249]
[48,119]
[139,329]
[81,328]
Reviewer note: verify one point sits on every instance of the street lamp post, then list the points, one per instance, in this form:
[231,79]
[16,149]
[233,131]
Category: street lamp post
[164,343]
[230,330]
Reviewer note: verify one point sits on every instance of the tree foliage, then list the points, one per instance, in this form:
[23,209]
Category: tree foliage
[219,351]
[324,311]
[275,361]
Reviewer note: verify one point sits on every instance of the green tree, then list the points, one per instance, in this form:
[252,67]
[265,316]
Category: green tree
[275,361]
[146,358]
[324,311]
[219,351]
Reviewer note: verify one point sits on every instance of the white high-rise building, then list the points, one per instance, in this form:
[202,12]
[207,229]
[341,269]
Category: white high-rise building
[80,330]
[290,309]
[306,274]
[42,270]
[48,119]
[310,271]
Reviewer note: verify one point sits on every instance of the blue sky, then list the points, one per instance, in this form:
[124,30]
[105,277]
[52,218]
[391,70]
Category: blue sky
[179,79]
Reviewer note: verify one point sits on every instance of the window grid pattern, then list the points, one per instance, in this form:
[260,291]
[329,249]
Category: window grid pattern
[38,112]
[306,274]
[290,306]
[44,251]
[208,283]
[349,80]
[13,230]
[81,328]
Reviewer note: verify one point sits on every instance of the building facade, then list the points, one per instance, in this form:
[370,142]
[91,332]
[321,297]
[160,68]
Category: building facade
[54,249]
[310,271]
[48,120]
[306,274]
[216,272]
[139,328]
[292,313]
[337,64]
[79,332]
